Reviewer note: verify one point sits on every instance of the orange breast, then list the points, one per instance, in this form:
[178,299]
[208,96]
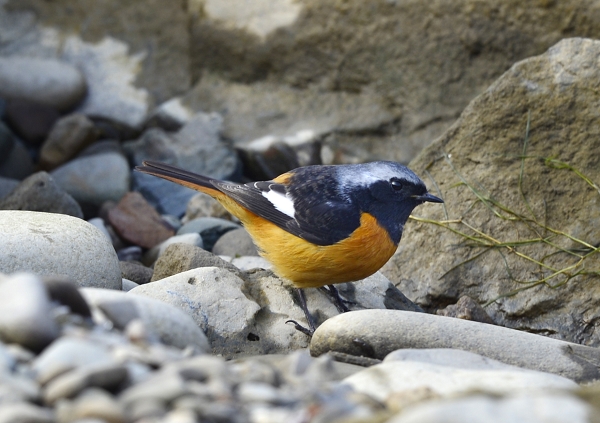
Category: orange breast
[308,265]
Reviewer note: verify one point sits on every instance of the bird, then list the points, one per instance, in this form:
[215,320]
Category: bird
[318,225]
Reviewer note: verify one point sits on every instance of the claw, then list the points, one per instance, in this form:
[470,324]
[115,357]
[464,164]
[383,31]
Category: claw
[308,332]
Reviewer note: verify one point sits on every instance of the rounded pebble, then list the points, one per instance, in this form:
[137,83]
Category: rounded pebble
[57,245]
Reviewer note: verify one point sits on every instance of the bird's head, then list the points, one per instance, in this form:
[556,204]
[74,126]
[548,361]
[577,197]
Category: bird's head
[387,190]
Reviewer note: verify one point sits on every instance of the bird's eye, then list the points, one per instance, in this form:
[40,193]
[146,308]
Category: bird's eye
[396,184]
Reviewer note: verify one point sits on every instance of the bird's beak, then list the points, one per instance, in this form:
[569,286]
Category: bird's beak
[428,197]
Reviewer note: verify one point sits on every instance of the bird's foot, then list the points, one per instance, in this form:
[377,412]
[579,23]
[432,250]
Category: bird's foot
[338,301]
[307,331]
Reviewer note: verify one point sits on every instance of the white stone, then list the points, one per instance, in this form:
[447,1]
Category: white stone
[260,17]
[57,245]
[382,380]
[169,323]
[50,82]
[214,299]
[535,408]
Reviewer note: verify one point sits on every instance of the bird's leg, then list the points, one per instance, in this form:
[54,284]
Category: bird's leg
[311,322]
[337,299]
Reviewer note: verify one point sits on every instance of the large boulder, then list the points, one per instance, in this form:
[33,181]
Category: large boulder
[518,173]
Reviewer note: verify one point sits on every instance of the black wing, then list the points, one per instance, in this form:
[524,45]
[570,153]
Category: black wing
[321,215]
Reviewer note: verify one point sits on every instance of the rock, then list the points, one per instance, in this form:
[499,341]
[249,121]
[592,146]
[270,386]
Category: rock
[178,258]
[26,312]
[203,205]
[190,239]
[535,408]
[25,412]
[92,180]
[99,223]
[68,137]
[209,228]
[270,109]
[107,376]
[196,147]
[487,155]
[133,253]
[40,193]
[7,185]
[45,81]
[66,293]
[468,309]
[370,63]
[66,354]
[92,403]
[170,115]
[275,159]
[214,299]
[18,165]
[170,324]
[137,222]
[235,243]
[31,121]
[147,49]
[128,285]
[383,380]
[383,331]
[57,245]
[245,263]
[135,272]
[7,141]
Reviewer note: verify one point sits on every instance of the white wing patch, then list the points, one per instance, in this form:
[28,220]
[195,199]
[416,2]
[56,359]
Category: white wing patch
[281,202]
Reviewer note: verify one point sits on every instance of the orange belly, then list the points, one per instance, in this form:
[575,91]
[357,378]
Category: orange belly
[308,265]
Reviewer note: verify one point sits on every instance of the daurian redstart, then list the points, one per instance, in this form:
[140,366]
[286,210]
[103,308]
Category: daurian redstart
[318,225]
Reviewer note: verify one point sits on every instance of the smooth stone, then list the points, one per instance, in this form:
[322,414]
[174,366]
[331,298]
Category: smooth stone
[128,285]
[209,228]
[170,115]
[92,180]
[111,71]
[17,387]
[66,354]
[213,297]
[18,164]
[7,141]
[135,272]
[65,292]
[535,408]
[7,185]
[69,135]
[26,312]
[40,193]
[25,412]
[178,258]
[57,245]
[132,253]
[383,331]
[250,262]
[69,384]
[203,205]
[235,243]
[468,309]
[92,403]
[44,81]
[99,223]
[446,379]
[136,221]
[447,357]
[32,122]
[212,157]
[169,323]
[155,252]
